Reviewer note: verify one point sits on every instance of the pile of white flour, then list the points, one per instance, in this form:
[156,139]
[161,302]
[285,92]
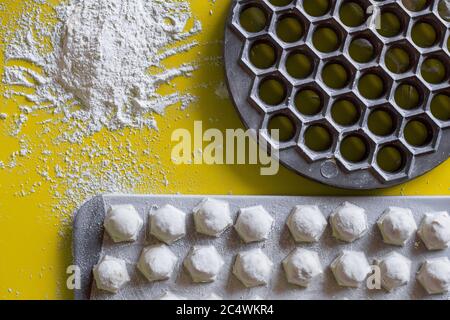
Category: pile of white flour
[100,70]
[87,65]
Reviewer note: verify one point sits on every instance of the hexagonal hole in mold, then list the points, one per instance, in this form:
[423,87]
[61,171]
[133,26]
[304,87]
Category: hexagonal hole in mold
[291,27]
[286,126]
[337,73]
[400,57]
[353,13]
[382,121]
[254,17]
[442,9]
[427,31]
[310,100]
[328,36]
[392,158]
[280,3]
[392,21]
[346,110]
[316,8]
[272,90]
[318,138]
[440,105]
[355,148]
[409,94]
[416,5]
[419,132]
[374,84]
[434,68]
[364,47]
[301,63]
[263,54]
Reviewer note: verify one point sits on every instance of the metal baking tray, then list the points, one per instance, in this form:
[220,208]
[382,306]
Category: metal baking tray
[89,244]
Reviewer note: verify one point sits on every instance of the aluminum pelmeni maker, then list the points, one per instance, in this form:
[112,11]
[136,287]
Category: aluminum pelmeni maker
[359,89]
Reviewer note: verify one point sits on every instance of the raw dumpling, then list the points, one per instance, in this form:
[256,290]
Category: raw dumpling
[123,223]
[301,266]
[203,263]
[157,262]
[212,217]
[306,223]
[435,230]
[351,268]
[111,274]
[349,222]
[254,224]
[397,225]
[434,275]
[253,268]
[168,224]
[395,270]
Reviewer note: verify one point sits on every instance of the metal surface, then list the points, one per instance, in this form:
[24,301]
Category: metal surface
[90,245]
[87,242]
[244,78]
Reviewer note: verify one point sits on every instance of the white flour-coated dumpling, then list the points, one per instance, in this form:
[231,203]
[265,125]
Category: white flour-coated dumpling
[123,223]
[434,275]
[306,223]
[110,274]
[397,225]
[212,217]
[253,224]
[435,230]
[349,222]
[203,263]
[350,268]
[168,224]
[395,270]
[302,266]
[157,262]
[253,268]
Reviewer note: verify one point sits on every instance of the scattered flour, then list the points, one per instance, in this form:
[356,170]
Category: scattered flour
[98,73]
[74,71]
[84,66]
[222,91]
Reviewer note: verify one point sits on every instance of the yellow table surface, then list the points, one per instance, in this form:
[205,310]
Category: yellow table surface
[35,235]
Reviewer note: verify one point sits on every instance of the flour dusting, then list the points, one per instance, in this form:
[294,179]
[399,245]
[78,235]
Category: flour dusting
[88,65]
[105,64]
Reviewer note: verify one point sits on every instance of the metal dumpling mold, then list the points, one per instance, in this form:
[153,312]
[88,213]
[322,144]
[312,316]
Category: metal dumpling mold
[359,89]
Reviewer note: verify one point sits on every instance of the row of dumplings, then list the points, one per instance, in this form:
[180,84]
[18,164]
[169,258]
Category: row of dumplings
[254,268]
[306,223]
